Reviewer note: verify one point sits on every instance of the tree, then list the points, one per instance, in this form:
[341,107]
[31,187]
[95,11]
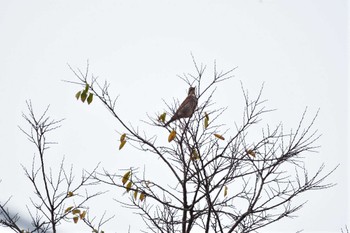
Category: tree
[224,181]
[58,197]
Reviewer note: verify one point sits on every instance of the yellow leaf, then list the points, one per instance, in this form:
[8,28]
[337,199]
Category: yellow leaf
[126,177]
[70,194]
[75,219]
[128,186]
[251,152]
[135,194]
[122,143]
[172,135]
[219,136]
[225,191]
[68,209]
[76,211]
[122,137]
[194,155]
[162,117]
[83,214]
[206,121]
[142,196]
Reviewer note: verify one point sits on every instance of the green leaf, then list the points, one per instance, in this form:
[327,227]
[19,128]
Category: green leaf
[206,121]
[68,209]
[206,116]
[225,191]
[89,99]
[83,96]
[86,88]
[122,143]
[122,137]
[78,95]
[162,117]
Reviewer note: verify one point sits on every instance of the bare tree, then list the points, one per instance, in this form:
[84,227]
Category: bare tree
[8,219]
[346,229]
[225,181]
[58,197]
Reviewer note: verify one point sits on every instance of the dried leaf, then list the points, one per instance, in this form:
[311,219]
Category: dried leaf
[225,191]
[251,153]
[162,117]
[76,211]
[122,143]
[68,209]
[194,155]
[82,215]
[219,136]
[128,186]
[172,135]
[126,177]
[135,194]
[142,196]
[89,99]
[75,219]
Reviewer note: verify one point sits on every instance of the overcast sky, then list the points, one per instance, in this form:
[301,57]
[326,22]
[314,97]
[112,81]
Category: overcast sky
[297,48]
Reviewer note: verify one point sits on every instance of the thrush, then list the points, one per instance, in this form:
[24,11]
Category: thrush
[187,107]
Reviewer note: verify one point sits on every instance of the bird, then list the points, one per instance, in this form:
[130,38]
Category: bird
[187,107]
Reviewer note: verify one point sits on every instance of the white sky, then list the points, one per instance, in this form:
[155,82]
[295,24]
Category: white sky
[298,48]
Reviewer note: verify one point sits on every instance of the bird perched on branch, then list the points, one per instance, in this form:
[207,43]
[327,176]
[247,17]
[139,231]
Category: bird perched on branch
[187,107]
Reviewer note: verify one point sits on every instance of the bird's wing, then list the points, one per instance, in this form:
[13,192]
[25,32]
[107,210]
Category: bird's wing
[183,106]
